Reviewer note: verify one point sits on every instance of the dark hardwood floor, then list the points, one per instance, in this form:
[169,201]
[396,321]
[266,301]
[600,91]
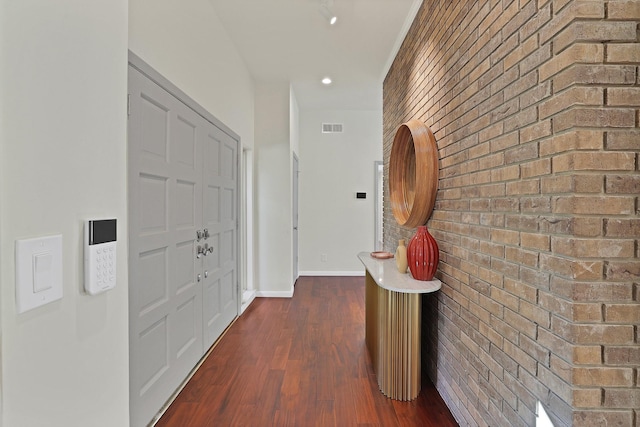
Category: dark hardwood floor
[299,362]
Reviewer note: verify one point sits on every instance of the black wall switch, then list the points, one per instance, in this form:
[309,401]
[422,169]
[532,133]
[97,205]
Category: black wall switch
[361,195]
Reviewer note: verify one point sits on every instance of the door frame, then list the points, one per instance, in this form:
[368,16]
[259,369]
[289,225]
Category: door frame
[378,173]
[295,192]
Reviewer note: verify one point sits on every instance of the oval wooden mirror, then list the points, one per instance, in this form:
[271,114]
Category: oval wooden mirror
[413,174]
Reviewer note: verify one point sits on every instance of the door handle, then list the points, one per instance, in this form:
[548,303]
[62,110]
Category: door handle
[203,250]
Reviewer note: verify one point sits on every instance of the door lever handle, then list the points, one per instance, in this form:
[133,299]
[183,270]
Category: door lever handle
[203,250]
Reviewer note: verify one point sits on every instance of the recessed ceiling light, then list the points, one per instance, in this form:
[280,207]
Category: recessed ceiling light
[326,81]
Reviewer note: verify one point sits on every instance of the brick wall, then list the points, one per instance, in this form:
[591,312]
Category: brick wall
[535,108]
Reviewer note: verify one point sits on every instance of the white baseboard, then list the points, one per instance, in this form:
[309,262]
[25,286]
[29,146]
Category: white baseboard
[274,294]
[333,273]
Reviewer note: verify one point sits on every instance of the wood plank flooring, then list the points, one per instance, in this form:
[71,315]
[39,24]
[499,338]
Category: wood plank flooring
[299,362]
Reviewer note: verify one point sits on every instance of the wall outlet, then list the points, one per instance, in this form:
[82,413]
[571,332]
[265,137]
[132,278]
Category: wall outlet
[323,257]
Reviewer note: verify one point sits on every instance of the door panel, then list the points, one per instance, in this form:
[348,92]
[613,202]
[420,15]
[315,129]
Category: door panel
[165,179]
[179,183]
[221,180]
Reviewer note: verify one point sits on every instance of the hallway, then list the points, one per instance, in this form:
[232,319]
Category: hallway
[299,362]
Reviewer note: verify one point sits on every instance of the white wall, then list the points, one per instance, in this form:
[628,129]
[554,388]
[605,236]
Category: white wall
[186,43]
[273,188]
[63,79]
[333,167]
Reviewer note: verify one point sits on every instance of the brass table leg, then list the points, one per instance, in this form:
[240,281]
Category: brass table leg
[393,339]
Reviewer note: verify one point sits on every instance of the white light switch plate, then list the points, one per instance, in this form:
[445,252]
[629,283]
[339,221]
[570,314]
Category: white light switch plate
[38,271]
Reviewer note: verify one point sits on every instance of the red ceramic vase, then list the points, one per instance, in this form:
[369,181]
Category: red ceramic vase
[423,255]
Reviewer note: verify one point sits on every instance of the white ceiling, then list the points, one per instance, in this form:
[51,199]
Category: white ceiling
[290,40]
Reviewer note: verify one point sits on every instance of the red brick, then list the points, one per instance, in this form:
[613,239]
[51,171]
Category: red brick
[628,53]
[622,227]
[593,205]
[507,237]
[616,398]
[535,241]
[575,269]
[535,168]
[586,74]
[594,117]
[623,184]
[624,10]
[590,248]
[521,52]
[587,355]
[593,291]
[582,313]
[582,161]
[604,377]
[579,31]
[577,53]
[623,96]
[535,23]
[603,334]
[521,256]
[586,183]
[535,313]
[622,313]
[531,186]
[540,204]
[623,356]
[587,398]
[560,387]
[536,131]
[564,17]
[623,270]
[535,94]
[592,418]
[572,140]
[623,139]
[576,95]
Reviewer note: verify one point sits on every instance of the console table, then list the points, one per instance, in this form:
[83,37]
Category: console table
[392,325]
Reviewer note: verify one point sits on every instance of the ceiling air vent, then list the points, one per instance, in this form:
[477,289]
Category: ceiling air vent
[332,128]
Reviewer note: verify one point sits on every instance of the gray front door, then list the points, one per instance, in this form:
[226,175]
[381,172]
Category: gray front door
[221,222]
[180,183]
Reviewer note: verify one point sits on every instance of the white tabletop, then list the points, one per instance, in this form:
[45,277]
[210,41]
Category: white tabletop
[387,276]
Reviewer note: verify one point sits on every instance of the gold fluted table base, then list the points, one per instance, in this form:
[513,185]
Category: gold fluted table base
[393,322]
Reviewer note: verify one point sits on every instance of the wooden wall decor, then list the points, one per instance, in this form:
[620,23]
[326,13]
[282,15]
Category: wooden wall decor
[413,174]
